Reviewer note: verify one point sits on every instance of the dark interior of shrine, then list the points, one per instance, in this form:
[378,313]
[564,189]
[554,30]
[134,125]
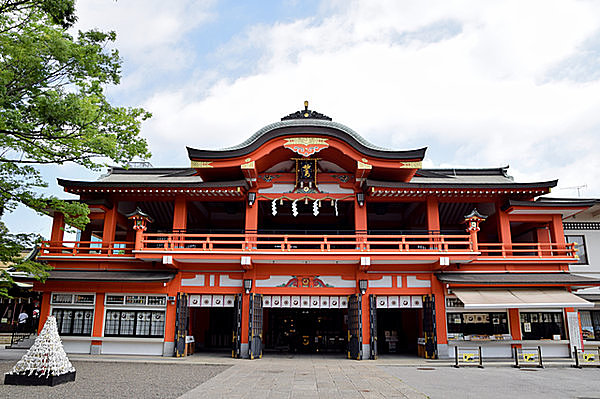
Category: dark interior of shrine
[398,331]
[291,330]
[305,222]
[212,328]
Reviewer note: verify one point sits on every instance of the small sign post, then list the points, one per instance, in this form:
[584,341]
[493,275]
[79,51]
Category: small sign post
[468,356]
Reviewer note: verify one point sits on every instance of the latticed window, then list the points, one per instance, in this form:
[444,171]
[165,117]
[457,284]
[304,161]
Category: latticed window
[134,323]
[74,321]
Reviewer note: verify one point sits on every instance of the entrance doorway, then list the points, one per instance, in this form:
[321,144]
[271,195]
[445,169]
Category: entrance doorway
[293,330]
[212,328]
[398,331]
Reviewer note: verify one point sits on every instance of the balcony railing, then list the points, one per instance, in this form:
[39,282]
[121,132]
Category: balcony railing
[86,248]
[527,249]
[416,244]
[306,242]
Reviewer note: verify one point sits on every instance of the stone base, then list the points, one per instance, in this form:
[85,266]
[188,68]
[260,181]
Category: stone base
[244,354]
[168,349]
[18,379]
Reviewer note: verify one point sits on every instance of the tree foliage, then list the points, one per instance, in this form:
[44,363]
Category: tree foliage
[53,110]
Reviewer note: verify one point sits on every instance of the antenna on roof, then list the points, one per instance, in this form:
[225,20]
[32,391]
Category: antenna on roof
[578,188]
[139,164]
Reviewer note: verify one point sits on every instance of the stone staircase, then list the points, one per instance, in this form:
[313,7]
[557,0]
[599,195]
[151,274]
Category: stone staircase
[24,343]
[5,339]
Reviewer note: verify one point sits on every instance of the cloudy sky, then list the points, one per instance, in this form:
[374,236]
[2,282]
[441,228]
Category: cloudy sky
[482,84]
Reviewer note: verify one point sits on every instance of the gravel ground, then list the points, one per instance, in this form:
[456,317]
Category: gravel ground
[118,380]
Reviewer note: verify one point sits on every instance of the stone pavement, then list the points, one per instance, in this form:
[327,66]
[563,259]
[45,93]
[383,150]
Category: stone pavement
[303,377]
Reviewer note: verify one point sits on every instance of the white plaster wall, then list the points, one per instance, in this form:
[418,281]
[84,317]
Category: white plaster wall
[592,244]
[76,346]
[132,348]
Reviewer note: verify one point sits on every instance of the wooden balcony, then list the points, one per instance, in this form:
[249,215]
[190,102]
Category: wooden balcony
[291,243]
[527,250]
[86,248]
[418,245]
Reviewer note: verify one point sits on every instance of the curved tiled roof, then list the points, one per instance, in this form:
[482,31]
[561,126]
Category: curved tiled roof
[305,122]
[306,126]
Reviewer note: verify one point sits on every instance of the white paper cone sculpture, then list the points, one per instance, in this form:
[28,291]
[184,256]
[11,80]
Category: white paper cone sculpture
[46,357]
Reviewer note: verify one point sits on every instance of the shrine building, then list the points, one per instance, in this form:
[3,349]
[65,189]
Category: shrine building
[306,238]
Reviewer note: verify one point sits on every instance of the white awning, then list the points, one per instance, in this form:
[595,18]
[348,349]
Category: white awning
[520,298]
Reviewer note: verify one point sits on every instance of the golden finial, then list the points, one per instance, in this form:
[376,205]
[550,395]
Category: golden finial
[306,105]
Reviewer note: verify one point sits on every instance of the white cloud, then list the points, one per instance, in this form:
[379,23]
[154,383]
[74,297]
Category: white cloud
[151,34]
[479,95]
[480,83]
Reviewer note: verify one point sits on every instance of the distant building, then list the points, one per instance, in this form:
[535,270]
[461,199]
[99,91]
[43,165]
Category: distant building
[583,228]
[307,238]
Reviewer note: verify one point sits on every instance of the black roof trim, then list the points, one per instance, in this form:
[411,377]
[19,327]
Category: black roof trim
[442,172]
[515,278]
[101,184]
[550,204]
[567,201]
[328,131]
[377,183]
[110,275]
[589,297]
[117,170]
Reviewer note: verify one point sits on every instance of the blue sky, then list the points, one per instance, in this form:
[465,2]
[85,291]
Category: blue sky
[481,84]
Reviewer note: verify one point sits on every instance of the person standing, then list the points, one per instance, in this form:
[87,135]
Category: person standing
[23,316]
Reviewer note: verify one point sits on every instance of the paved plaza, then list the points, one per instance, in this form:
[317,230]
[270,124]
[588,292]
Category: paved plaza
[217,376]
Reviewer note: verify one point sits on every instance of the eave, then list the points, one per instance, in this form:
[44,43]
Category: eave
[399,189]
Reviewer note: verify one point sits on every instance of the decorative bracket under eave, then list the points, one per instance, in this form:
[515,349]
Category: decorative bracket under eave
[363,169]
[365,263]
[249,171]
[246,263]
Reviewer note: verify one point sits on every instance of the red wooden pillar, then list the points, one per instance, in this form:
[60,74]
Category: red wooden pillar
[245,325]
[365,312]
[251,226]
[543,238]
[514,322]
[433,214]
[504,230]
[44,310]
[97,329]
[441,330]
[556,231]
[433,218]
[180,213]
[58,228]
[179,220]
[360,224]
[558,238]
[360,218]
[170,318]
[110,227]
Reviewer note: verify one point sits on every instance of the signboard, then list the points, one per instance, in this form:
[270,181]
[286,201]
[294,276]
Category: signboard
[574,332]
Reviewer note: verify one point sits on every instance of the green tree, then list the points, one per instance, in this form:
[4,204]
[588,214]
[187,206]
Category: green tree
[53,110]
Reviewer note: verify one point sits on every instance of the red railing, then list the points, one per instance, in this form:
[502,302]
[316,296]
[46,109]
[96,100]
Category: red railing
[306,242]
[533,249]
[290,243]
[86,248]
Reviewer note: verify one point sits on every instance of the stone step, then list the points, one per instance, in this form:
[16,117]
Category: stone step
[24,344]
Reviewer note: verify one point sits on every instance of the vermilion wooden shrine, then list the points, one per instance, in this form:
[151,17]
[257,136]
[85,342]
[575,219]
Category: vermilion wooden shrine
[307,238]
